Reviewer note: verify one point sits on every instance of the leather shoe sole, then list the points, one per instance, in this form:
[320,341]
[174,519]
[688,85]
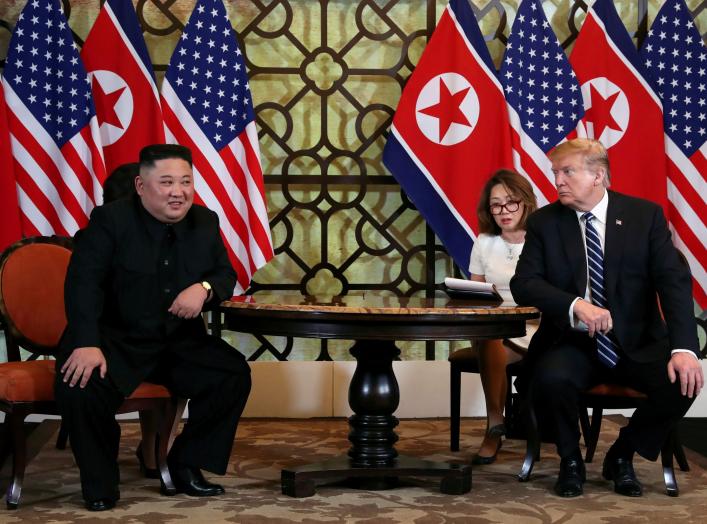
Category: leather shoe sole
[100,505]
[622,473]
[569,490]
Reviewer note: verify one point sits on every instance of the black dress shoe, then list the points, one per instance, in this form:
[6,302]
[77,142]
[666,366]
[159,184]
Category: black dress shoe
[620,470]
[148,473]
[570,481]
[100,504]
[190,481]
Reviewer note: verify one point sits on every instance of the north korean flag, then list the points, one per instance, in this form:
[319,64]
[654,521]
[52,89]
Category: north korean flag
[10,226]
[621,109]
[123,84]
[450,131]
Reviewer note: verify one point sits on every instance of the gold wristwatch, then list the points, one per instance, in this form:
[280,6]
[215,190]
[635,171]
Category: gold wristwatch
[207,287]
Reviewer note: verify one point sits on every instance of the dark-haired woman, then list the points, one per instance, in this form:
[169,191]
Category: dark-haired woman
[506,201]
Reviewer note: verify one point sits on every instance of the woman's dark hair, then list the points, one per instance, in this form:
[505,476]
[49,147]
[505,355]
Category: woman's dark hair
[517,186]
[121,182]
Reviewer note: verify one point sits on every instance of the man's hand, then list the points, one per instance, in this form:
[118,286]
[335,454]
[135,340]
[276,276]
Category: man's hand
[189,302]
[81,364]
[688,368]
[595,317]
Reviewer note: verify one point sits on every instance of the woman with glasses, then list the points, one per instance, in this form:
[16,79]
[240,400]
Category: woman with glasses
[506,201]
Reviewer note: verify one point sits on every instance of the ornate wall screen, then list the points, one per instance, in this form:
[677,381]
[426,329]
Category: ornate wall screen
[326,76]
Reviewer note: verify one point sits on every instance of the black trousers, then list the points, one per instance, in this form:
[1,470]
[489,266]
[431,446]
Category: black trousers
[214,376]
[563,371]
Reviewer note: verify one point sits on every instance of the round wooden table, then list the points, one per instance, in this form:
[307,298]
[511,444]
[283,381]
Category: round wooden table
[374,321]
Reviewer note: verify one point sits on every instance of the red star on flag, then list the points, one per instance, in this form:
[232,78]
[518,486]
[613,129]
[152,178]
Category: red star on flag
[106,110]
[447,109]
[600,112]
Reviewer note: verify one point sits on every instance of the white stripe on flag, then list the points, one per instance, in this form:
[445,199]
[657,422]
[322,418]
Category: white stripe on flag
[45,185]
[252,133]
[33,214]
[83,151]
[254,197]
[490,74]
[687,213]
[687,168]
[432,182]
[697,270]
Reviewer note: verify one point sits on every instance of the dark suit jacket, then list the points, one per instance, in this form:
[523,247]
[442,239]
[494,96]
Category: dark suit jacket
[113,295]
[639,261]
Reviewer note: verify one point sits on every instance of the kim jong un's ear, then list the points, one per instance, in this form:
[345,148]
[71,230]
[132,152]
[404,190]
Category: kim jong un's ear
[139,184]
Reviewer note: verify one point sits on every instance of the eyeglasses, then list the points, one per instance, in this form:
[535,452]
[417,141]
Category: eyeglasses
[511,206]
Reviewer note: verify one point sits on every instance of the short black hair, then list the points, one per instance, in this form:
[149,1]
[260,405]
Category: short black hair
[121,182]
[152,153]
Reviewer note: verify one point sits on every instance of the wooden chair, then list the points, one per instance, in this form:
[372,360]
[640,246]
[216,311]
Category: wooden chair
[600,397]
[465,361]
[32,274]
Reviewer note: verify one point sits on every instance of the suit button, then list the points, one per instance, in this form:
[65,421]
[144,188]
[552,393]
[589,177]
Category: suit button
[167,290]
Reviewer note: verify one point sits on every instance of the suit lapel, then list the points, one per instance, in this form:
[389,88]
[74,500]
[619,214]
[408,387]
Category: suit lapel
[571,235]
[614,243]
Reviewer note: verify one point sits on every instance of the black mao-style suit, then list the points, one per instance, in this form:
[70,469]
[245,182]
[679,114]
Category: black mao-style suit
[640,264]
[126,270]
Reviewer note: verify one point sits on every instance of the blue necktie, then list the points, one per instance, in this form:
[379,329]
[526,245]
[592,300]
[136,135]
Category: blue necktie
[606,348]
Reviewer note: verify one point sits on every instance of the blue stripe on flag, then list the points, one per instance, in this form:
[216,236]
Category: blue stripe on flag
[428,202]
[125,13]
[616,30]
[465,16]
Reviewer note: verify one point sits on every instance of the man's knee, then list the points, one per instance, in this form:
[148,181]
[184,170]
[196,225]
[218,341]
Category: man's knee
[238,385]
[93,395]
[550,385]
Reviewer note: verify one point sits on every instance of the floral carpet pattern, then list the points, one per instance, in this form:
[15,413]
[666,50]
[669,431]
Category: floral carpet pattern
[263,447]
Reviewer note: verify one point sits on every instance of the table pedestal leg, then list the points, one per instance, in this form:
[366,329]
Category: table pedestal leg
[373,462]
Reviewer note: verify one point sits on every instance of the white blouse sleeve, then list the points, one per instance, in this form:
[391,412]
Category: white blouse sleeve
[477,264]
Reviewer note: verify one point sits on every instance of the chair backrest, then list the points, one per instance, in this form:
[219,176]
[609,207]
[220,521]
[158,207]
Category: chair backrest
[32,274]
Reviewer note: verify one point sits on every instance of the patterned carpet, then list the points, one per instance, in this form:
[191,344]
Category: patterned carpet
[264,447]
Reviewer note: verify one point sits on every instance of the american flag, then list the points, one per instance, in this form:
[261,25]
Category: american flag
[543,95]
[675,62]
[52,123]
[207,106]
